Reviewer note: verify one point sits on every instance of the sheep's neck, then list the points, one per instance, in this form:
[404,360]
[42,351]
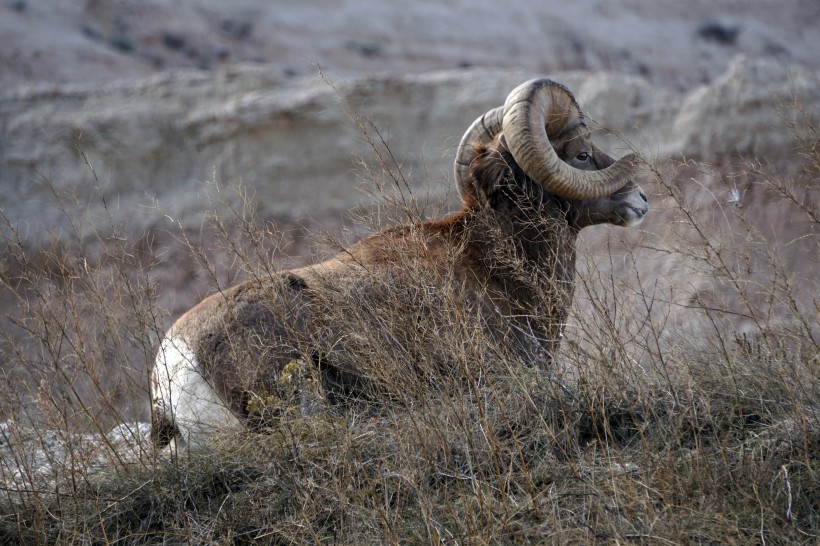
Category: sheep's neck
[526,255]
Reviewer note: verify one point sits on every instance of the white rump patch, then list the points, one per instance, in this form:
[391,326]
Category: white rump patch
[182,394]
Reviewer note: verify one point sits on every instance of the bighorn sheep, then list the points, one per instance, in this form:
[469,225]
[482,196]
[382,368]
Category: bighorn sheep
[530,178]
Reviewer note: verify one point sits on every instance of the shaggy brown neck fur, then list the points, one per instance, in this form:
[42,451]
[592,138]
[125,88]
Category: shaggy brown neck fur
[520,241]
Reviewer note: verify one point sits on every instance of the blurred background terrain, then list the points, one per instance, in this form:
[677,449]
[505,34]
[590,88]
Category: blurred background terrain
[93,42]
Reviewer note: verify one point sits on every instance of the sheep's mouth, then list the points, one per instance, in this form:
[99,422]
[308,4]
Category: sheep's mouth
[634,215]
[639,212]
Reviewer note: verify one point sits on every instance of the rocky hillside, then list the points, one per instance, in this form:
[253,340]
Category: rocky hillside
[673,43]
[147,147]
[129,106]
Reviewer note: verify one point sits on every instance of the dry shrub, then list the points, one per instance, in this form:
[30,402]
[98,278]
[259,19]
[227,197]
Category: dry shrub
[684,406]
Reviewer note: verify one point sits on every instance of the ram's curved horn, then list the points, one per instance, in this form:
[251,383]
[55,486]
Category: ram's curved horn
[541,109]
[481,132]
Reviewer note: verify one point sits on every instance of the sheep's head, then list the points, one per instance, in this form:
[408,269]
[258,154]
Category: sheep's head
[541,131]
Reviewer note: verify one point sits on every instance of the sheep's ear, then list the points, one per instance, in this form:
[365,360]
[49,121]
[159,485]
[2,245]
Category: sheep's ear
[479,135]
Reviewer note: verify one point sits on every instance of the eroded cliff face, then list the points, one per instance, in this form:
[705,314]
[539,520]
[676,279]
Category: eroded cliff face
[676,45]
[149,146]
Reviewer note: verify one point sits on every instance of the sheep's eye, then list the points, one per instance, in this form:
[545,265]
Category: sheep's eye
[583,156]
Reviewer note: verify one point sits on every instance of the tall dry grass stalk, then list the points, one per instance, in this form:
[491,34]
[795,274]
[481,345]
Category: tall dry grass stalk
[684,406]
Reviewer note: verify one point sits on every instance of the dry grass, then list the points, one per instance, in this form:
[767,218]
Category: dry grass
[692,416]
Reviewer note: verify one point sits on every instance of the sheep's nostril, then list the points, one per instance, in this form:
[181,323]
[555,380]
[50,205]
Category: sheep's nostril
[643,196]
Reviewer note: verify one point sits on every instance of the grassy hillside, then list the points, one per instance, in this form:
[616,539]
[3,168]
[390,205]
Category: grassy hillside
[684,408]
